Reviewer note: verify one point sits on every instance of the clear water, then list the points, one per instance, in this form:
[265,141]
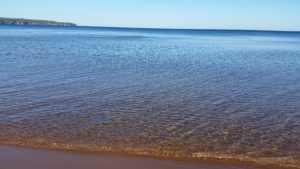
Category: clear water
[171,93]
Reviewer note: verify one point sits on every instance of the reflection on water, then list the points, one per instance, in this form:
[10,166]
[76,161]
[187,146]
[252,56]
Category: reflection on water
[159,92]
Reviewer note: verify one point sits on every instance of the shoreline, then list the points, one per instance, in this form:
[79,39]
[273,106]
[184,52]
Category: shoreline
[12,156]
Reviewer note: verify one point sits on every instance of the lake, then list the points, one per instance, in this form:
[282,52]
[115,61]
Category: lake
[158,92]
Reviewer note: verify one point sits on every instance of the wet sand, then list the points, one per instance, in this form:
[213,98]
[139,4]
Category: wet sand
[26,158]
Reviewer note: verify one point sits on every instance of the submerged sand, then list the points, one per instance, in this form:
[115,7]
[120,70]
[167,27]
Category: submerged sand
[26,158]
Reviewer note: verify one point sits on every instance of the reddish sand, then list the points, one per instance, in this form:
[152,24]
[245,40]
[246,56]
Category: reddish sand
[26,158]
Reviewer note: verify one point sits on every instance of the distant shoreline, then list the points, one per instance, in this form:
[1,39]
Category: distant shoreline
[32,22]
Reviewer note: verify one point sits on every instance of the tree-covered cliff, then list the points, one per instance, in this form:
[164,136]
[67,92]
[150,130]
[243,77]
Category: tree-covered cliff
[21,21]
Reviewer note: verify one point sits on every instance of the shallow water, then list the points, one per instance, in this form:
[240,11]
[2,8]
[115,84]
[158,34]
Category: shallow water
[229,94]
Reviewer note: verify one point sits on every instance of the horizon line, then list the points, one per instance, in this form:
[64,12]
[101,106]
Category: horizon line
[160,28]
[189,29]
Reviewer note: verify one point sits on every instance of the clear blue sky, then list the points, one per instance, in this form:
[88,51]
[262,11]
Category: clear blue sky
[202,14]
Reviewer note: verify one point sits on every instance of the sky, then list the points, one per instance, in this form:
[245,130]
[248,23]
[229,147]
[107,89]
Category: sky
[188,14]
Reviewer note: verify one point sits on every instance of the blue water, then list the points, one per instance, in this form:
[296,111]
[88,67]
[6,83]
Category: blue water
[152,91]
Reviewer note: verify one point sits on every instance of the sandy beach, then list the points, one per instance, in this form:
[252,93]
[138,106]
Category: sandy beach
[26,158]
